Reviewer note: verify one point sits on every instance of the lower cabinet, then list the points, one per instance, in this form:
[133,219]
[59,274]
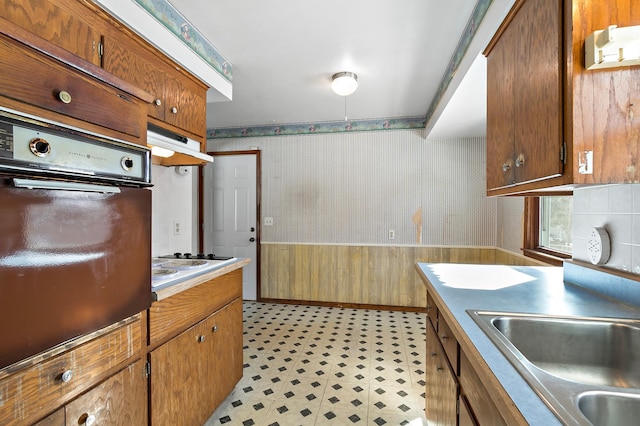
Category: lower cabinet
[194,372]
[98,380]
[454,392]
[442,388]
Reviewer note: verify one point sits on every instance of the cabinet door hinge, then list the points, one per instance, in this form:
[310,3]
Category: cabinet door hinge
[147,369]
[563,153]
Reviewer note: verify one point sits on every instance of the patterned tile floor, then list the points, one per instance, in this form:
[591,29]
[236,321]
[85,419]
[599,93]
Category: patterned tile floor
[312,365]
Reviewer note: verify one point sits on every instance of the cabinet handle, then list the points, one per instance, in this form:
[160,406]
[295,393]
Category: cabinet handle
[66,376]
[214,328]
[433,354]
[201,339]
[520,160]
[157,102]
[90,420]
[439,369]
[174,110]
[443,337]
[506,167]
[64,97]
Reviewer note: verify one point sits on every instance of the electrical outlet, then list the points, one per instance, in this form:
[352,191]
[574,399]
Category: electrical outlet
[177,227]
[392,234]
[268,221]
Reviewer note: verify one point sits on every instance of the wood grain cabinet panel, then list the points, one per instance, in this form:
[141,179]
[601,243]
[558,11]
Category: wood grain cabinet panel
[551,123]
[441,394]
[178,99]
[32,78]
[193,372]
[120,400]
[64,23]
[34,391]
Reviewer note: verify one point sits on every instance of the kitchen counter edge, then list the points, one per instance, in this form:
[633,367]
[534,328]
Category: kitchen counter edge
[545,293]
[171,290]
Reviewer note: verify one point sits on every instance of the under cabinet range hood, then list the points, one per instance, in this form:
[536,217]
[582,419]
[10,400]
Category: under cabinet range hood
[171,149]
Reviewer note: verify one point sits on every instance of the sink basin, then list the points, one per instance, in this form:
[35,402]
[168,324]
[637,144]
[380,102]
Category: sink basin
[584,369]
[608,408]
[596,352]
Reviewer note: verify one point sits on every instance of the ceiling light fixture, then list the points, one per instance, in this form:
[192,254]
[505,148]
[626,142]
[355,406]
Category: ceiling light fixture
[344,83]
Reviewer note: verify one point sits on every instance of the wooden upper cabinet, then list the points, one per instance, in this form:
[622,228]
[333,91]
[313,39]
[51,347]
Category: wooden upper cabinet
[179,100]
[62,22]
[564,124]
[524,98]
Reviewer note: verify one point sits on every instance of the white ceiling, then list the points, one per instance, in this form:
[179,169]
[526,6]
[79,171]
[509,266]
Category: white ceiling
[284,53]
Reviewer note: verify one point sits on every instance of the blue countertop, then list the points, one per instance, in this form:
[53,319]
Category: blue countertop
[537,290]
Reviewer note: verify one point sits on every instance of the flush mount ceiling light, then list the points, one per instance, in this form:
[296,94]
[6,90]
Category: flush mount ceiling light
[344,83]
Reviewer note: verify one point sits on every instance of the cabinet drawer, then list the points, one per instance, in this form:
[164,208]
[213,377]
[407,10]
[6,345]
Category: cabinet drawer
[480,404]
[449,343]
[169,317]
[35,79]
[36,390]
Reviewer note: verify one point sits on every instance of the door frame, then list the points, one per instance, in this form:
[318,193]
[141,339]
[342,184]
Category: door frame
[255,152]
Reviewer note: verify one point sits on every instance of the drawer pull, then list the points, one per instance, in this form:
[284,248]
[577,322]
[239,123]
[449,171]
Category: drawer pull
[66,376]
[439,369]
[214,328]
[444,337]
[201,339]
[64,97]
[174,110]
[90,421]
[433,355]
[157,102]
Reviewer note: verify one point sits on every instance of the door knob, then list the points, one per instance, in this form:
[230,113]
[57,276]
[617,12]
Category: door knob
[251,239]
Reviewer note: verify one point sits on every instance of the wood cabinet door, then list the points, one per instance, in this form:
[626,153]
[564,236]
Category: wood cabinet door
[126,59]
[538,90]
[120,400]
[65,23]
[185,103]
[500,112]
[180,379]
[441,394]
[225,327]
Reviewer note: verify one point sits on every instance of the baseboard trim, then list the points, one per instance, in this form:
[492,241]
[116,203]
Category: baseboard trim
[344,305]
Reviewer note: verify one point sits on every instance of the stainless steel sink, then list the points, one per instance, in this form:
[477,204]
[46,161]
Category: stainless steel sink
[609,408]
[581,367]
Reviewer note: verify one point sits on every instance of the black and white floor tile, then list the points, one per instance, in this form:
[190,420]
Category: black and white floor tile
[313,365]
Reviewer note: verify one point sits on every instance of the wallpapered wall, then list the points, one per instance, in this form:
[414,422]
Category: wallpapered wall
[353,188]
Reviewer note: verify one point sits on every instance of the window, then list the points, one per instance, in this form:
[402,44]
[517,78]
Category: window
[548,222]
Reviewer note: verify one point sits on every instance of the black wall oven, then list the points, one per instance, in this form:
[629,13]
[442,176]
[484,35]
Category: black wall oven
[75,234]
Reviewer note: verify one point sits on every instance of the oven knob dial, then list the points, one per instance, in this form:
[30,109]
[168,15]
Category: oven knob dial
[126,163]
[40,147]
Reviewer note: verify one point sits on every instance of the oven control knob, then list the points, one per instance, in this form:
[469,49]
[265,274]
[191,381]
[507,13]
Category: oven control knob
[126,163]
[40,147]
[187,255]
[177,255]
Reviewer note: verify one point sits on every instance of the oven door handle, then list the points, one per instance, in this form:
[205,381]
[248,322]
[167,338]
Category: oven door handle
[65,186]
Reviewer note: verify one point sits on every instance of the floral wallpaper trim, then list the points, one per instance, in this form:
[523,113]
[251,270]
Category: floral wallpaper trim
[463,44]
[318,127]
[167,15]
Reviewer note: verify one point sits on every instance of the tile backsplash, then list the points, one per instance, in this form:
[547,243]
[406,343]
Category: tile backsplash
[617,209]
[172,201]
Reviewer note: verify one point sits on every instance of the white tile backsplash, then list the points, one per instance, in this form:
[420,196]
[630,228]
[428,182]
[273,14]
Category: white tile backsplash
[617,209]
[172,200]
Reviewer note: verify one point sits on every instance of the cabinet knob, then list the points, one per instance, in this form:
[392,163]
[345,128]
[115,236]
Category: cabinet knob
[64,97]
[157,102]
[444,337]
[506,167]
[214,328]
[66,376]
[201,339]
[91,420]
[174,110]
[439,369]
[520,160]
[433,354]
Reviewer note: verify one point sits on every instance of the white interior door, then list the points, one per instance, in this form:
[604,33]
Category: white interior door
[230,213]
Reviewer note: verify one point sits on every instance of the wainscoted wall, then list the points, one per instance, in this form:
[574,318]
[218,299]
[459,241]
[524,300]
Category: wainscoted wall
[617,209]
[355,274]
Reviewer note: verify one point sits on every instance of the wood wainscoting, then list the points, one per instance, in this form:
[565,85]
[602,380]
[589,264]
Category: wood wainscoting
[366,275]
